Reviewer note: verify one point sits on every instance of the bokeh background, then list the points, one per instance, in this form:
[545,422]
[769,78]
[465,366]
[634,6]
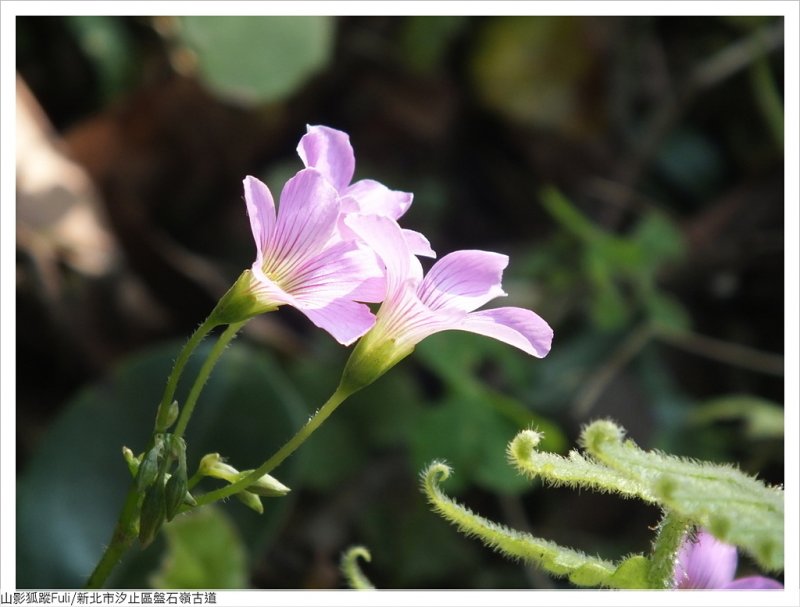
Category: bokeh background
[632,168]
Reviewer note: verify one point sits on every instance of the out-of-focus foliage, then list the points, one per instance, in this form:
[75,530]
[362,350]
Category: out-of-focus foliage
[257,60]
[204,550]
[631,167]
[62,535]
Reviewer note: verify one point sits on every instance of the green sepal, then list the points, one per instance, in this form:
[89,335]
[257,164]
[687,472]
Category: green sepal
[241,302]
[373,356]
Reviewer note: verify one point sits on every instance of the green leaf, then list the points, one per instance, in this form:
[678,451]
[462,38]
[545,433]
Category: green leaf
[258,59]
[246,411]
[204,550]
[733,506]
[580,568]
[763,418]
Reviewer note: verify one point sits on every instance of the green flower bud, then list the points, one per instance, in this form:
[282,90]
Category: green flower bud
[175,493]
[251,500]
[266,486]
[132,461]
[152,514]
[148,469]
[165,419]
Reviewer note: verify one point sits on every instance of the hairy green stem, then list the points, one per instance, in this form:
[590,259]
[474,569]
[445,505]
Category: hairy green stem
[352,572]
[671,531]
[124,534]
[202,376]
[177,370]
[288,448]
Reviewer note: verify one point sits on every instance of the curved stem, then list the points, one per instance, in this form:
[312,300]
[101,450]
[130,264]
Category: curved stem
[288,448]
[202,377]
[177,370]
[124,534]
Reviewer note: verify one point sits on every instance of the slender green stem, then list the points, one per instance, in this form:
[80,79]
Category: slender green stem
[202,377]
[124,534]
[288,448]
[177,370]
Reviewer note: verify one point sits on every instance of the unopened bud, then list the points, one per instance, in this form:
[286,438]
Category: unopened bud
[251,500]
[267,486]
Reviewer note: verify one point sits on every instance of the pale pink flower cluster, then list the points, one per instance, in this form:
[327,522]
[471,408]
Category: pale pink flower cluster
[332,246]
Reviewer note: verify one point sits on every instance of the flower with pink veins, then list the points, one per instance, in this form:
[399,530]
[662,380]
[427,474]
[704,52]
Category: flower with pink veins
[705,563]
[446,299]
[329,151]
[301,261]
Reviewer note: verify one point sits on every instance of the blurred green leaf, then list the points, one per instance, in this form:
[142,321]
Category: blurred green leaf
[623,270]
[106,43]
[258,59]
[204,550]
[69,497]
[763,418]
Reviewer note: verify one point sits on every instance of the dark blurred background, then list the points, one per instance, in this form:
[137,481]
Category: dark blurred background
[631,167]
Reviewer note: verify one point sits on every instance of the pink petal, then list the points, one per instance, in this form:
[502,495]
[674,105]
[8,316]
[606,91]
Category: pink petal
[344,269]
[344,319]
[374,198]
[755,582]
[518,327]
[464,280]
[329,151]
[706,563]
[267,290]
[385,237]
[260,210]
[306,220]
[418,244]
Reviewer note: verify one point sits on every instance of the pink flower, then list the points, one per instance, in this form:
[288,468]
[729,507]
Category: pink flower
[301,261]
[445,299]
[329,151]
[708,563]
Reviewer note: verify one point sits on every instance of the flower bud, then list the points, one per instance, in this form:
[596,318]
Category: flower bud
[152,514]
[132,461]
[251,500]
[148,469]
[266,486]
[175,492]
[166,418]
